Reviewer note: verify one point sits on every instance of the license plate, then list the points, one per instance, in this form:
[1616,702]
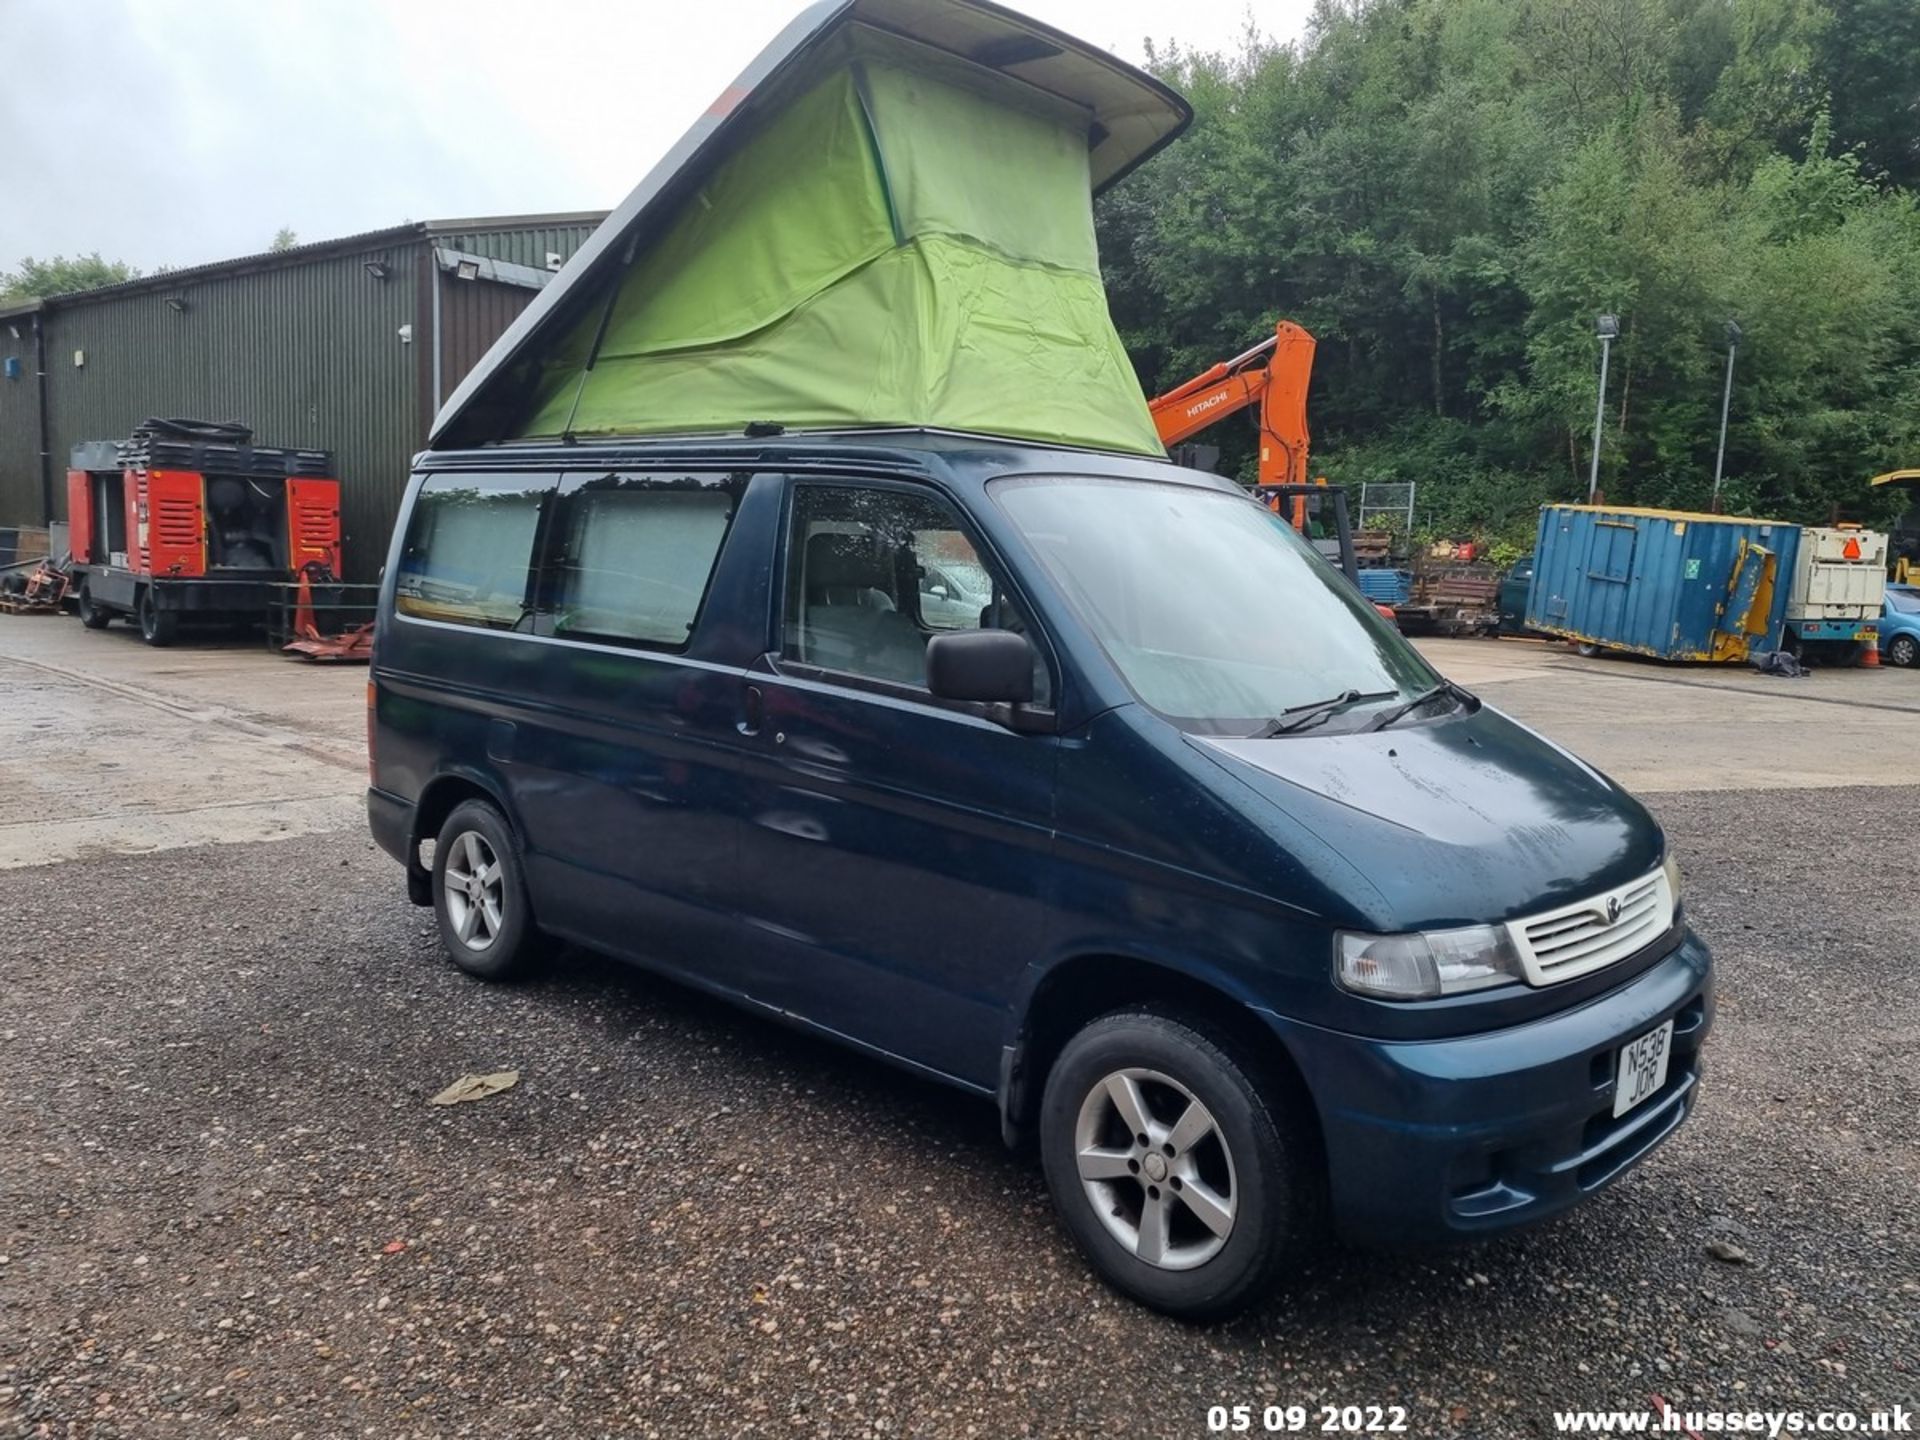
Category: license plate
[1643,1068]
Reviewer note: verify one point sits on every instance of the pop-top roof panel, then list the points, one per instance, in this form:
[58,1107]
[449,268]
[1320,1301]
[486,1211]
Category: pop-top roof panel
[1130,115]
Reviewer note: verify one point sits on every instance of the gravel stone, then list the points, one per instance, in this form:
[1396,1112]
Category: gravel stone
[685,1221]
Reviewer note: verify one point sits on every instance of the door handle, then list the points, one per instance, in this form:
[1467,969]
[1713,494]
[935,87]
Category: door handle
[753,710]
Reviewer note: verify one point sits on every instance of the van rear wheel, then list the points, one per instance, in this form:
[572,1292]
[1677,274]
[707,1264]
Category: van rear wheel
[1189,1186]
[480,894]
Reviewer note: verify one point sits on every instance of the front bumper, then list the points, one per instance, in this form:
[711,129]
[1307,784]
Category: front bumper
[1849,630]
[1436,1140]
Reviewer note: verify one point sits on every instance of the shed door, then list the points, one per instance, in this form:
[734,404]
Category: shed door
[313,524]
[176,525]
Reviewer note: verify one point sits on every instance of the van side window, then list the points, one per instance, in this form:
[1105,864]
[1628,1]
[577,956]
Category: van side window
[468,559]
[635,557]
[873,574]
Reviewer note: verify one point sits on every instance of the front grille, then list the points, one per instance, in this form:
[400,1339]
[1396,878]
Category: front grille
[1590,934]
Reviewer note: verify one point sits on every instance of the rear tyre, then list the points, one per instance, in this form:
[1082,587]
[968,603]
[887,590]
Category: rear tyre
[1187,1185]
[1903,650]
[480,894]
[1586,649]
[157,627]
[91,615]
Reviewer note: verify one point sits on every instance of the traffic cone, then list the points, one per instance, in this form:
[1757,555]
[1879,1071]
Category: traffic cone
[1870,656]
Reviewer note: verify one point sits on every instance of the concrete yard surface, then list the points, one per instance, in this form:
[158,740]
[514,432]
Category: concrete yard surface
[228,1210]
[108,746]
[1654,726]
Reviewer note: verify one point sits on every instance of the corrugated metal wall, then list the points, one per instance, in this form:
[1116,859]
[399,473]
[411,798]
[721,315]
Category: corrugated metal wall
[526,245]
[308,353]
[19,428]
[473,314]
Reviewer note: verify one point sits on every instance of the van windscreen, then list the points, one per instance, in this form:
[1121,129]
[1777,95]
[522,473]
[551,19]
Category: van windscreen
[1216,613]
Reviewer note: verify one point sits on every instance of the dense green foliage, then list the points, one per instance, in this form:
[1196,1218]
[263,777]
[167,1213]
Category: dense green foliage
[1446,193]
[37,279]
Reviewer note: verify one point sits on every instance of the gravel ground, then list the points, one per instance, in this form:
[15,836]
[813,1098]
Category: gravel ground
[227,1210]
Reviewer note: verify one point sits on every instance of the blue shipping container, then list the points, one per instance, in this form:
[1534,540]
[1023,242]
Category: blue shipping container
[1668,583]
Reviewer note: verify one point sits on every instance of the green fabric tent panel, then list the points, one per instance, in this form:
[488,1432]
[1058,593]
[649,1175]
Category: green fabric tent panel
[983,160]
[935,333]
[911,243]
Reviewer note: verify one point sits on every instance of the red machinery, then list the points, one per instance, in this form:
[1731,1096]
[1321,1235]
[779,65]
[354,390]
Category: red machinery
[191,518]
[1278,387]
[1272,377]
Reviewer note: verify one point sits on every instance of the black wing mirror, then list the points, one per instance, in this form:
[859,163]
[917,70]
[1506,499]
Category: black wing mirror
[992,667]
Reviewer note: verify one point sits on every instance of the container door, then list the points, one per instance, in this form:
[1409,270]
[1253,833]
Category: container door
[313,524]
[79,516]
[174,528]
[1749,603]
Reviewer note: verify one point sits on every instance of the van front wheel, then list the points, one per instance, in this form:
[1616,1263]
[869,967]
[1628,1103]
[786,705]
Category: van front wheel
[1186,1184]
[480,894]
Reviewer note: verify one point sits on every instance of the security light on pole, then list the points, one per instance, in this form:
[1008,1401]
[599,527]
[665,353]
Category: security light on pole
[1607,329]
[1726,403]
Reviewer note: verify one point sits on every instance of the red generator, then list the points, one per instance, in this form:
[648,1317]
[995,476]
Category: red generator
[189,519]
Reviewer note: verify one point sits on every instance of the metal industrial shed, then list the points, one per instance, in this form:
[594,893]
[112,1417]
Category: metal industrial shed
[347,345]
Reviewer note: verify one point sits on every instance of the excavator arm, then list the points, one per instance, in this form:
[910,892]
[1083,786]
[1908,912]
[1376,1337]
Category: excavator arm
[1271,378]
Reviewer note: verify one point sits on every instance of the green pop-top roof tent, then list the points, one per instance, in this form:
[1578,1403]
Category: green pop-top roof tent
[885,222]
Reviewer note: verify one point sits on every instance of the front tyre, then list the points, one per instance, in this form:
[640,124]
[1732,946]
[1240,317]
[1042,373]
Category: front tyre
[1188,1186]
[1903,650]
[480,894]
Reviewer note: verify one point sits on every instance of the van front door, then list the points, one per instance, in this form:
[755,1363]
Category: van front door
[893,872]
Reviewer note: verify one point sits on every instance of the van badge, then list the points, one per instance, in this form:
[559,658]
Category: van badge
[1613,908]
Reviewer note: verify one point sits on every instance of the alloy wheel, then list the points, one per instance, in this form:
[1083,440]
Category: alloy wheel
[474,887]
[1156,1169]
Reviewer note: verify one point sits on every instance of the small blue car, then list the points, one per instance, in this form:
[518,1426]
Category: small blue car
[1900,626]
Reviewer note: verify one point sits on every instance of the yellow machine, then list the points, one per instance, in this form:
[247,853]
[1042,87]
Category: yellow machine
[1906,562]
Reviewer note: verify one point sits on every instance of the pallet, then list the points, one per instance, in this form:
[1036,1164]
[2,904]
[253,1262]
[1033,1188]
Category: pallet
[16,605]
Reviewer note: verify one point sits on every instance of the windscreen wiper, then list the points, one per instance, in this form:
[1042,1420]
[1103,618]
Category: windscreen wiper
[1425,697]
[1299,717]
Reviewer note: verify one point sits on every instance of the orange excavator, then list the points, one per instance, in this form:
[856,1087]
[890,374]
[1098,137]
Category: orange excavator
[1271,378]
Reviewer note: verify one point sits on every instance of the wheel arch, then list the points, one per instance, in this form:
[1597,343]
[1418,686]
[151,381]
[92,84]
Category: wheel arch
[1060,998]
[438,799]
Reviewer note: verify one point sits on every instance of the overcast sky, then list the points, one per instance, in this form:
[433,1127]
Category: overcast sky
[174,132]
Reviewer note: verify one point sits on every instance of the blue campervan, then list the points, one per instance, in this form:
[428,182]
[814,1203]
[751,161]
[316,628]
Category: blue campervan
[1033,764]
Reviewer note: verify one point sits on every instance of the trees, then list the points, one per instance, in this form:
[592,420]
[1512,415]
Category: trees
[61,276]
[1447,191]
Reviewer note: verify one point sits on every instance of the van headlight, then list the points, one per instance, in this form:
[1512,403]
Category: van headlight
[1426,964]
[1671,868]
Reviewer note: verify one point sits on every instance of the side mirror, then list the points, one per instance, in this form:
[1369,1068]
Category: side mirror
[939,592]
[993,667]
